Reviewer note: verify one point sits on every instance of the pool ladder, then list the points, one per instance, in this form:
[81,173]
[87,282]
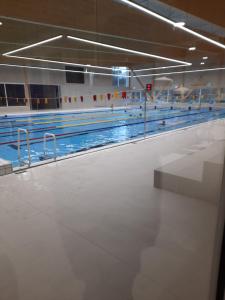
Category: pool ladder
[23,162]
[45,139]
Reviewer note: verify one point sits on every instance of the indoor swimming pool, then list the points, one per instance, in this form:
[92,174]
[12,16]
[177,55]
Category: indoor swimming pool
[80,131]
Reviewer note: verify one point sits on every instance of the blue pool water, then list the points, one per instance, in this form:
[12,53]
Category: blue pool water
[80,131]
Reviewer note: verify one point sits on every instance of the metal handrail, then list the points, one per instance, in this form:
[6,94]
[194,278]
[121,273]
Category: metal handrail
[19,146]
[46,136]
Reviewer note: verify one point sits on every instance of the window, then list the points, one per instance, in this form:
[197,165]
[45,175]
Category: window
[15,94]
[44,96]
[73,77]
[2,95]
[121,81]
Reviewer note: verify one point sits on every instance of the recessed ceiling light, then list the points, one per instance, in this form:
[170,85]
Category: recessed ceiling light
[1,23]
[205,57]
[127,50]
[153,14]
[202,63]
[192,48]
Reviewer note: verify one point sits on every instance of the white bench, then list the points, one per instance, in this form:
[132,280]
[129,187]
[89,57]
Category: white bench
[197,175]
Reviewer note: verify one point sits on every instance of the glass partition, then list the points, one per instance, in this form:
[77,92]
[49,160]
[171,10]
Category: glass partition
[74,79]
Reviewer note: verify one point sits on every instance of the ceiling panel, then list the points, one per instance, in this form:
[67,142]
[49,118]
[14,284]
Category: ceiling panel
[212,11]
[103,21]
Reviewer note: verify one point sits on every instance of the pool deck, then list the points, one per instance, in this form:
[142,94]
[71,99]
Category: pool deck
[101,108]
[93,227]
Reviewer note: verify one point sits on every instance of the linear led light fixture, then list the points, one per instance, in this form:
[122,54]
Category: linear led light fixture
[33,45]
[175,24]
[179,24]
[159,68]
[60,70]
[127,50]
[58,62]
[88,66]
[105,74]
[181,72]
[9,54]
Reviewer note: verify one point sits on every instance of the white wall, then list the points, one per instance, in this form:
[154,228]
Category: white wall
[99,86]
[16,75]
[215,79]
[96,85]
[14,109]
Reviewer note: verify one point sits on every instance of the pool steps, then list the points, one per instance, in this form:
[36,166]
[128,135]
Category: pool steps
[5,167]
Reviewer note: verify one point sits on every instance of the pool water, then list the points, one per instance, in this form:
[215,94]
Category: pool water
[80,131]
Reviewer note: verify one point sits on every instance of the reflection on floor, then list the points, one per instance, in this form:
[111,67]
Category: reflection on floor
[197,175]
[95,228]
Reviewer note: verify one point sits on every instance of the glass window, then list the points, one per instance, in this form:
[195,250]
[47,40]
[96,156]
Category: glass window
[15,94]
[120,80]
[44,96]
[2,95]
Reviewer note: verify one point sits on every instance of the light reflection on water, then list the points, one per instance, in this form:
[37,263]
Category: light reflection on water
[93,135]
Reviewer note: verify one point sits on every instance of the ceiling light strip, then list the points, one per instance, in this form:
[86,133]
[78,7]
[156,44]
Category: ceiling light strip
[106,74]
[33,45]
[127,50]
[159,68]
[175,24]
[86,65]
[58,62]
[181,72]
[9,54]
[60,70]
[203,37]
[149,12]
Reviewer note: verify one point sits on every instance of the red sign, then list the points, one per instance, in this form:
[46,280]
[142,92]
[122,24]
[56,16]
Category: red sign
[148,87]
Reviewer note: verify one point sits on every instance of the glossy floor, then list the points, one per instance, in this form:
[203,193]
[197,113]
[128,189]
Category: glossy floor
[95,228]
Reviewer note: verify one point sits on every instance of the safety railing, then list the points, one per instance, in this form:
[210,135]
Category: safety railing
[23,162]
[46,138]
